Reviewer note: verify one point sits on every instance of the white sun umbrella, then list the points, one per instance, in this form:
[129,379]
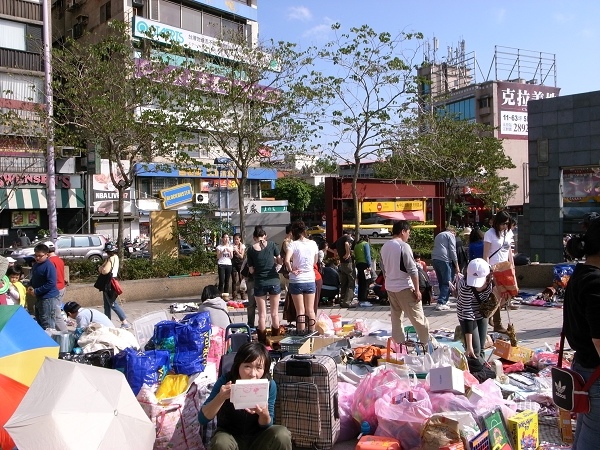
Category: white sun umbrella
[76,406]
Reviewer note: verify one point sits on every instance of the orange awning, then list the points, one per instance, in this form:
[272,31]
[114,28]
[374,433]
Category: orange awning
[404,215]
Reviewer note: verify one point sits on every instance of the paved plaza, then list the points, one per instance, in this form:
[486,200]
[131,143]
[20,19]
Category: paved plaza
[535,325]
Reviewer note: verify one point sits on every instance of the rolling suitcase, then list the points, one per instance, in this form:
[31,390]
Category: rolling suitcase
[307,400]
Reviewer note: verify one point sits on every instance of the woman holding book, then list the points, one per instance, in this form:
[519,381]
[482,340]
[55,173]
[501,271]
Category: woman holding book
[250,428]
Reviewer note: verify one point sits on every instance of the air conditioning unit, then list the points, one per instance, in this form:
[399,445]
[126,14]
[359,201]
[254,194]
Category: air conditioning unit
[68,152]
[137,3]
[201,198]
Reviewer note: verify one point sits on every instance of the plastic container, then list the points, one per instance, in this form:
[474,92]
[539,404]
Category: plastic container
[337,322]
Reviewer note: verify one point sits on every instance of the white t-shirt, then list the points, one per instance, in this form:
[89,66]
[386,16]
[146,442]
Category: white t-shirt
[304,254]
[226,254]
[503,243]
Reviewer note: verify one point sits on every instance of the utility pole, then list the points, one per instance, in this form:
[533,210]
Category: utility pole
[50,163]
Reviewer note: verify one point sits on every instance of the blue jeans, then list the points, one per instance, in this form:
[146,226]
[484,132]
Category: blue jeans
[303,288]
[110,303]
[443,272]
[44,311]
[478,330]
[587,433]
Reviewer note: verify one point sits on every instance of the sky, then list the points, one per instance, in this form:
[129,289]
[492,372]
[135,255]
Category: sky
[570,30]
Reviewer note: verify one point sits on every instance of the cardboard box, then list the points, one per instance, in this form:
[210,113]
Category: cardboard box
[512,354]
[447,378]
[474,394]
[524,431]
[378,443]
[565,426]
[315,343]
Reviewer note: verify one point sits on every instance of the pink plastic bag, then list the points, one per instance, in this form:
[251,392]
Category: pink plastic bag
[216,348]
[349,428]
[382,384]
[404,421]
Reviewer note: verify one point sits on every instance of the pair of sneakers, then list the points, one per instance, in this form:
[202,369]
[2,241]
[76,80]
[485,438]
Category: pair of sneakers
[442,307]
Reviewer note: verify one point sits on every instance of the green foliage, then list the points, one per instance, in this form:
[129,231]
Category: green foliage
[295,190]
[326,164]
[140,268]
[201,225]
[421,241]
[436,146]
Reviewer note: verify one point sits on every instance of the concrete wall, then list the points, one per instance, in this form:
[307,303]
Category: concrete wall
[152,289]
[571,127]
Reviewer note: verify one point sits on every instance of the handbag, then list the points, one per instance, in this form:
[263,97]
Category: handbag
[504,278]
[116,286]
[487,307]
[103,281]
[569,390]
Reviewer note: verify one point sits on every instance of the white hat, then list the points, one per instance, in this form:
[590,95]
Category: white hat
[466,231]
[477,272]
[11,260]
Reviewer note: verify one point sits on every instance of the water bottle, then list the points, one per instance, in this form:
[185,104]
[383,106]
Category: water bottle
[78,332]
[365,429]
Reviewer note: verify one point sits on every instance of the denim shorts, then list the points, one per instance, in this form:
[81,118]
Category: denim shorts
[261,291]
[303,288]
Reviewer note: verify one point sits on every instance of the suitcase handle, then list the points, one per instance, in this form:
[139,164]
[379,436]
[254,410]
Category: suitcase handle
[303,357]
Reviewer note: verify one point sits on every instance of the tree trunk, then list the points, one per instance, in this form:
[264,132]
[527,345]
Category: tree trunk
[355,200]
[241,184]
[119,242]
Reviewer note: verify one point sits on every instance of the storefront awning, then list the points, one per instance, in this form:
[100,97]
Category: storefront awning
[404,215]
[36,198]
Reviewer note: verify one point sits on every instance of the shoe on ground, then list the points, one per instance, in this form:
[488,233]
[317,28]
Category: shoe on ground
[348,305]
[442,308]
[500,329]
[126,326]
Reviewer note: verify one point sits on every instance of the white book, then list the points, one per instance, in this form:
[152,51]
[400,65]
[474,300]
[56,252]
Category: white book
[249,393]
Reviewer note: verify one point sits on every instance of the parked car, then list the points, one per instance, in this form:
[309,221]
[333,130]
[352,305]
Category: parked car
[88,246]
[370,230]
[315,231]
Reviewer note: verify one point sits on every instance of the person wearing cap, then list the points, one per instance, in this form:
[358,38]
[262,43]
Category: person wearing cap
[109,295]
[478,283]
[59,265]
[42,285]
[85,316]
[11,261]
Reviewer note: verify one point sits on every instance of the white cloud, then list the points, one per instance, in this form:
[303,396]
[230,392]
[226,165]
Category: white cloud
[320,32]
[563,18]
[299,13]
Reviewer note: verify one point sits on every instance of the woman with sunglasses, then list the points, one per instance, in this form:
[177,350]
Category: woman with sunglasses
[497,247]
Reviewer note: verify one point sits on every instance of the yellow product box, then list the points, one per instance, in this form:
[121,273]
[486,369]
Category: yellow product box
[524,431]
[504,350]
[565,426]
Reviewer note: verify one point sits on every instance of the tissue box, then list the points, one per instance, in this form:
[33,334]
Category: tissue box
[512,354]
[447,378]
[475,394]
[523,429]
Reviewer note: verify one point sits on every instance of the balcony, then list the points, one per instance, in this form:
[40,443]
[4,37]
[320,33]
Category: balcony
[17,59]
[22,9]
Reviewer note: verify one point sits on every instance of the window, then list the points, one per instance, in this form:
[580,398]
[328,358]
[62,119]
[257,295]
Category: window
[484,102]
[21,87]
[96,242]
[211,25]
[12,35]
[23,164]
[105,12]
[81,241]
[170,14]
[462,109]
[191,19]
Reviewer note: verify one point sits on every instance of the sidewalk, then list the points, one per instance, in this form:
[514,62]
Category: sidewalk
[535,326]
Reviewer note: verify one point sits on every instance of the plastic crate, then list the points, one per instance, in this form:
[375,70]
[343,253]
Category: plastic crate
[143,328]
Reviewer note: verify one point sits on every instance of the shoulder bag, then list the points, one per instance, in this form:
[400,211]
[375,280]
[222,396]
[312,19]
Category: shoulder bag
[487,307]
[569,390]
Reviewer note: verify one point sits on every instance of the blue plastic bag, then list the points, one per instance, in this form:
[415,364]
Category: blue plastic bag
[187,342]
[140,368]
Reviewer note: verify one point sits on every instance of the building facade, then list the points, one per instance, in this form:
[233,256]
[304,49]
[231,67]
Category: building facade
[23,168]
[198,25]
[564,172]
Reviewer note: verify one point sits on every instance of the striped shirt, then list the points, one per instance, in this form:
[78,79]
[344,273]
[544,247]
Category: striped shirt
[467,306]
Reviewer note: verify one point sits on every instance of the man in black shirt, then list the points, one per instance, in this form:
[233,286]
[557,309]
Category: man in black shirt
[343,247]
